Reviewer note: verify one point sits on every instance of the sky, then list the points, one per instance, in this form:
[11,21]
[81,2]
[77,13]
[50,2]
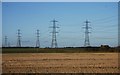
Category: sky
[59,0]
[0,24]
[30,16]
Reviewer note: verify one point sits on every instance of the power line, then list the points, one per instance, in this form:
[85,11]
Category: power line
[54,39]
[18,38]
[107,21]
[106,18]
[87,41]
[38,41]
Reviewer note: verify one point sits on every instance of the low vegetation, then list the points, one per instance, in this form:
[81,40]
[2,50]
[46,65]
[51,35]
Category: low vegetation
[58,50]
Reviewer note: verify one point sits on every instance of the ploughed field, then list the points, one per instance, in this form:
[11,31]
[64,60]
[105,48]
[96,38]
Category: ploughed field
[60,63]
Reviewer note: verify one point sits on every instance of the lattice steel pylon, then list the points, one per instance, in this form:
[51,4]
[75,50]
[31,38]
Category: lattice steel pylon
[6,42]
[87,41]
[38,41]
[18,38]
[54,39]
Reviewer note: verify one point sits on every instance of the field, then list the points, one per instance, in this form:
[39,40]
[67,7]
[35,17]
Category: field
[59,50]
[60,63]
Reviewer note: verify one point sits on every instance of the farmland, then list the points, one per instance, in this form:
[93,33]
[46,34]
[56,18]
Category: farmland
[60,63]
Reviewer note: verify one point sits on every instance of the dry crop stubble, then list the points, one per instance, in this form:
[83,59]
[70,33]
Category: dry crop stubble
[60,63]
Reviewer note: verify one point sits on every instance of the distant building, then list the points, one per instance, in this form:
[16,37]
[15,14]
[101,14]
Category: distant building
[105,46]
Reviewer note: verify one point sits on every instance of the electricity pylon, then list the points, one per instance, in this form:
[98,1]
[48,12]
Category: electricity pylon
[6,42]
[37,41]
[18,38]
[54,39]
[87,41]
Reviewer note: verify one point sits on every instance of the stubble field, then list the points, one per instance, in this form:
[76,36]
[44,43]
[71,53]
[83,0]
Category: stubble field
[60,63]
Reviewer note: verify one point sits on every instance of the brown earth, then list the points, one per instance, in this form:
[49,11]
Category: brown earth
[60,63]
